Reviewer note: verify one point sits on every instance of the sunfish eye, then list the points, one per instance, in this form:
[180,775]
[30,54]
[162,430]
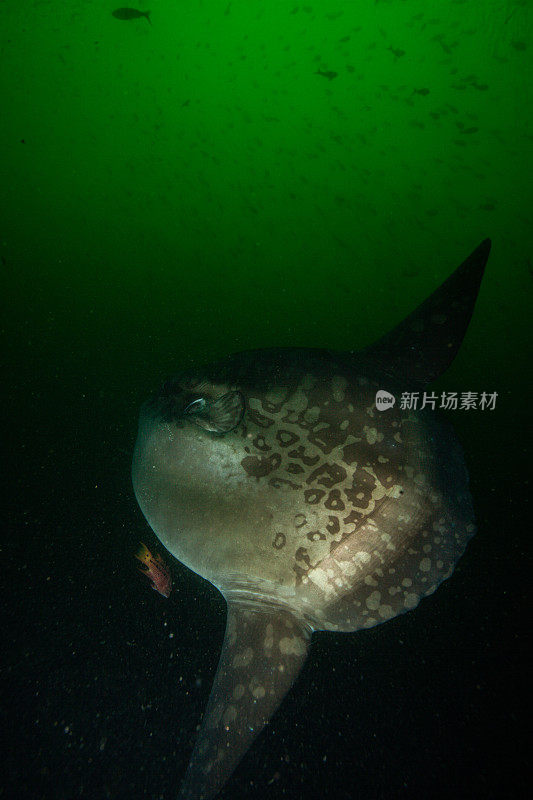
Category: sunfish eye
[218,416]
[195,406]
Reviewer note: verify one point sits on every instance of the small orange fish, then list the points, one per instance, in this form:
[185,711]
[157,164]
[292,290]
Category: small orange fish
[156,570]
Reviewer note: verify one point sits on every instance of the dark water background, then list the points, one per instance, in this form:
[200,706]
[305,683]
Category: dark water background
[176,192]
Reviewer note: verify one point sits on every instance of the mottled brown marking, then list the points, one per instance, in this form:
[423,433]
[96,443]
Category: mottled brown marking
[259,466]
[350,453]
[270,407]
[314,496]
[300,453]
[327,439]
[259,419]
[299,418]
[333,525]
[315,536]
[300,574]
[327,475]
[354,517]
[286,438]
[259,442]
[277,483]
[279,541]
[383,473]
[360,493]
[303,556]
[295,469]
[334,502]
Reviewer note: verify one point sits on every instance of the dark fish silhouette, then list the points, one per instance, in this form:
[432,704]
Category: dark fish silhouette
[328,74]
[131,13]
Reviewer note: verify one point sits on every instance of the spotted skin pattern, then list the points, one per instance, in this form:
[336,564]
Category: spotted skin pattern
[359,478]
[273,475]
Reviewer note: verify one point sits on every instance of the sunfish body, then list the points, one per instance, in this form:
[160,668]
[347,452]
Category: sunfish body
[273,475]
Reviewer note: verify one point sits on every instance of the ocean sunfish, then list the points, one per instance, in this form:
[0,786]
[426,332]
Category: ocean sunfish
[274,475]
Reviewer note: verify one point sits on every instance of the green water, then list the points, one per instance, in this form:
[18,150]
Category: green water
[194,187]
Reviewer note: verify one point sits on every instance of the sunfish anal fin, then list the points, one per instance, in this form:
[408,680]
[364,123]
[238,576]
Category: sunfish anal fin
[263,651]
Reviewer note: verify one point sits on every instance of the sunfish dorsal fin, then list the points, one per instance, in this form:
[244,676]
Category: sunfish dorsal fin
[424,345]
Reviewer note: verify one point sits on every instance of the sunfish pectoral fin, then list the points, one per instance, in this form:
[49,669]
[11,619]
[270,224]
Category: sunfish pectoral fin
[264,649]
